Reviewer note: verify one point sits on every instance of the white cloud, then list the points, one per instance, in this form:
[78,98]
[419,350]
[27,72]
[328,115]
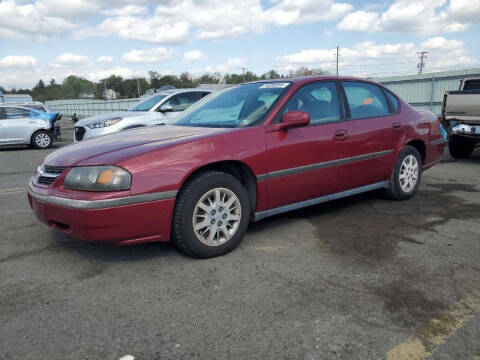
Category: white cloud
[440,42]
[364,53]
[287,12]
[67,59]
[192,56]
[148,56]
[421,17]
[124,72]
[16,61]
[43,20]
[359,21]
[171,22]
[465,11]
[229,65]
[105,59]
[139,28]
[128,10]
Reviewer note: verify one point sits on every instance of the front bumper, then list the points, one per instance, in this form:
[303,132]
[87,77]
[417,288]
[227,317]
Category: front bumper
[123,223]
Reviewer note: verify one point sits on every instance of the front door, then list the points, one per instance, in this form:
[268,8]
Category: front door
[306,162]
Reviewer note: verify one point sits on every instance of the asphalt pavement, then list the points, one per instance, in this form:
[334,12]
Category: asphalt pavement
[358,278]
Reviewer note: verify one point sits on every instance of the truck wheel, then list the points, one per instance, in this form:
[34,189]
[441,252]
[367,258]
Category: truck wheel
[460,148]
[406,175]
[41,140]
[211,215]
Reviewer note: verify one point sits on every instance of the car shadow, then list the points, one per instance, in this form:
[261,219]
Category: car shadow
[102,252]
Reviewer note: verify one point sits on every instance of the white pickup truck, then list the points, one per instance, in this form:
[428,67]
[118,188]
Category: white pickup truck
[461,117]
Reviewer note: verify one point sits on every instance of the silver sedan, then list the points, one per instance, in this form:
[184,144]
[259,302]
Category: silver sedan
[158,108]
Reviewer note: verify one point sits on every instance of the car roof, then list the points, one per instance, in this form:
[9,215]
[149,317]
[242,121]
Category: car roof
[307,79]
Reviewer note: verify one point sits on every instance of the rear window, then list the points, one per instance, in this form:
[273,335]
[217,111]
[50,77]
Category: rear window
[472,85]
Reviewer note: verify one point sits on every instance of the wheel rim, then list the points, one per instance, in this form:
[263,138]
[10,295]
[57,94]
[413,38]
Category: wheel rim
[217,216]
[42,140]
[408,173]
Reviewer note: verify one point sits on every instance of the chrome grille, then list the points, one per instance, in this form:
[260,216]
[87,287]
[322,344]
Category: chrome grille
[46,174]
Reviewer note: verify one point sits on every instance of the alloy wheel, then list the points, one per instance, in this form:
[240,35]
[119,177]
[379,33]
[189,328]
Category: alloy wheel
[217,216]
[408,173]
[42,140]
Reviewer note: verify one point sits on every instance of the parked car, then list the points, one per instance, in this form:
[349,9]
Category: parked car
[162,107]
[461,118]
[24,125]
[239,155]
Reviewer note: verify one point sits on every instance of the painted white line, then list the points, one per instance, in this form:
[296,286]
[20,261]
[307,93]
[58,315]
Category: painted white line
[127,357]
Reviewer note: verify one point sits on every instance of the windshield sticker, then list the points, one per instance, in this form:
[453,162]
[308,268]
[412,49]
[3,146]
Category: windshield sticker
[279,85]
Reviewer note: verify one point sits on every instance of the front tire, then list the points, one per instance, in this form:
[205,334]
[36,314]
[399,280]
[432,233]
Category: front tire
[211,215]
[41,140]
[407,174]
[459,147]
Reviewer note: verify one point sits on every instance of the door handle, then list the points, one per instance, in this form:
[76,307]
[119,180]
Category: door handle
[396,125]
[341,134]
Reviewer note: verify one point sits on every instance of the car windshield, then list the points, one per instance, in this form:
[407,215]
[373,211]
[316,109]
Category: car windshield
[148,103]
[239,106]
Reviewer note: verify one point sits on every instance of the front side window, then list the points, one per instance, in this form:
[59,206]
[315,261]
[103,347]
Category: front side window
[318,99]
[182,101]
[239,106]
[16,113]
[365,100]
[148,103]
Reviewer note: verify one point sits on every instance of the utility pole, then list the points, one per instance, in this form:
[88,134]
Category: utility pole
[338,50]
[243,72]
[138,87]
[421,64]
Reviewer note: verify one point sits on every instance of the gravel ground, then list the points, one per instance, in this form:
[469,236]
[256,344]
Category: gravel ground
[359,278]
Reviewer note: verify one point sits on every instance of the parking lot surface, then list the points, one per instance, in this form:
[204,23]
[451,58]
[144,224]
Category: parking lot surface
[359,278]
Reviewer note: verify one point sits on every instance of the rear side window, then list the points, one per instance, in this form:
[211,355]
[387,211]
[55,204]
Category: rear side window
[365,100]
[472,85]
[319,100]
[394,105]
[16,113]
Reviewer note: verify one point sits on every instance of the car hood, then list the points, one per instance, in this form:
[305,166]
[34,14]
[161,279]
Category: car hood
[120,146]
[121,114]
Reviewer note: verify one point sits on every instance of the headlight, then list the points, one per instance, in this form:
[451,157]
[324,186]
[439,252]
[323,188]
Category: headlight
[98,178]
[102,124]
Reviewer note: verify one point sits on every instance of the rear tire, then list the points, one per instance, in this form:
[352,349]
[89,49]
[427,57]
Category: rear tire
[407,174]
[41,140]
[211,215]
[459,147]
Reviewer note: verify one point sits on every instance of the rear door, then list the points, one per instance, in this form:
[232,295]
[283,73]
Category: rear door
[373,130]
[17,125]
[307,162]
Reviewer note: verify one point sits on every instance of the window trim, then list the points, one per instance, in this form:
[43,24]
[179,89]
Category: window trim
[385,90]
[380,87]
[341,113]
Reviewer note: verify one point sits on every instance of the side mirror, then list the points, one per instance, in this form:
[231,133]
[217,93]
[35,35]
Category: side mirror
[292,119]
[166,108]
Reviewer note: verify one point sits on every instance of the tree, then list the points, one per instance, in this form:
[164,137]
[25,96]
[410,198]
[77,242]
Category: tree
[154,79]
[272,74]
[207,79]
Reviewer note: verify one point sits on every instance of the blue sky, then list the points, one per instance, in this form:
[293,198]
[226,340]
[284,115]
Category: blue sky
[93,38]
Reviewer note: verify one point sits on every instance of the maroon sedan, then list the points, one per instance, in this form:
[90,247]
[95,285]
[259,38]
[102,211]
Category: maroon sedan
[238,155]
